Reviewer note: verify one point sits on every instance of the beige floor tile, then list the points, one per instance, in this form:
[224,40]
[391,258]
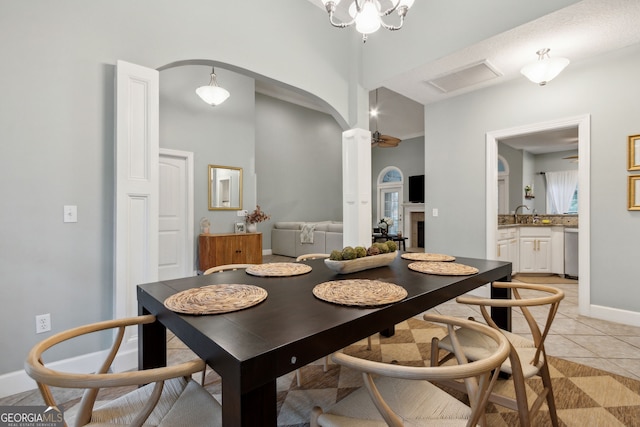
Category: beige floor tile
[606,346]
[561,346]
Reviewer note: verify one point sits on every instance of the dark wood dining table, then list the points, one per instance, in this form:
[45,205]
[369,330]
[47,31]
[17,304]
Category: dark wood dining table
[251,348]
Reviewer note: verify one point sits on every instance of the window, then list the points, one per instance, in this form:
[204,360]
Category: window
[573,208]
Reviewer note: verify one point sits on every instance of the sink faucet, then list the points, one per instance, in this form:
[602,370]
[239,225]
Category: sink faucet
[515,215]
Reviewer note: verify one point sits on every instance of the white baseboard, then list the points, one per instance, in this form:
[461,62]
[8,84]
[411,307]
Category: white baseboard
[626,317]
[267,252]
[19,381]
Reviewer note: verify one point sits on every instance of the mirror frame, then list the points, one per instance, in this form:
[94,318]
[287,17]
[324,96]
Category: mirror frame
[210,188]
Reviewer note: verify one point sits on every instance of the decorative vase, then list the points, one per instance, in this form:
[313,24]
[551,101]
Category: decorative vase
[252,227]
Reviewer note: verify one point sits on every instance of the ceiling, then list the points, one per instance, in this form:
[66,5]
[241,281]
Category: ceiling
[578,32]
[550,141]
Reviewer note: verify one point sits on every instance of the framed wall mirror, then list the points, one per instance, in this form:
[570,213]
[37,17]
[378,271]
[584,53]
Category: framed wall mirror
[225,188]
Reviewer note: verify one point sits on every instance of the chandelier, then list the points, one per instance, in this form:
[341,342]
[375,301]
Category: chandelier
[545,68]
[368,15]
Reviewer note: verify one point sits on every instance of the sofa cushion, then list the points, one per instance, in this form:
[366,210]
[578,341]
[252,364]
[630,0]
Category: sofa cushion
[283,242]
[333,241]
[288,225]
[318,245]
[336,228]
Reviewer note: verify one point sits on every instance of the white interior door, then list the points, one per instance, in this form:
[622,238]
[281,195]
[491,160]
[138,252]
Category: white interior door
[175,241]
[136,221]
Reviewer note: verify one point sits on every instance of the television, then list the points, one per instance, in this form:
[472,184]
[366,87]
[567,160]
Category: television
[416,189]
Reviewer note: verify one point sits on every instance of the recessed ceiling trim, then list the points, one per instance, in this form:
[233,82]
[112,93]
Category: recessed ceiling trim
[464,77]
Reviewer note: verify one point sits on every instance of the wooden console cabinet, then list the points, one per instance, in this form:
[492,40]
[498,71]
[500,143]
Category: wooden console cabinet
[232,248]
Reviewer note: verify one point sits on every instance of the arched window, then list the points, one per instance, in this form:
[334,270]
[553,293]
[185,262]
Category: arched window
[390,191]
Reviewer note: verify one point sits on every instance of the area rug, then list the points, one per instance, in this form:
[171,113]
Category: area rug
[543,279]
[584,396]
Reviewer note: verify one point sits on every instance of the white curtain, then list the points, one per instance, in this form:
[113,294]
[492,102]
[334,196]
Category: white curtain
[560,188]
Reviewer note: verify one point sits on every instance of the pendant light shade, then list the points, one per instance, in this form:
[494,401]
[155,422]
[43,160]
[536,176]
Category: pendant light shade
[545,68]
[213,94]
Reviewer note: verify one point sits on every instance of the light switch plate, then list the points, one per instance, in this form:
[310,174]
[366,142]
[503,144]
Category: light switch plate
[434,212]
[70,213]
[243,212]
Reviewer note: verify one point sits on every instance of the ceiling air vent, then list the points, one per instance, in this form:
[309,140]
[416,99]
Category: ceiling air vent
[465,77]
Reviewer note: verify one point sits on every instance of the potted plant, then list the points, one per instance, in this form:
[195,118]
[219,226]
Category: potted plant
[255,217]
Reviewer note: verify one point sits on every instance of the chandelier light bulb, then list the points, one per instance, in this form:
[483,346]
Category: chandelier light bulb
[368,21]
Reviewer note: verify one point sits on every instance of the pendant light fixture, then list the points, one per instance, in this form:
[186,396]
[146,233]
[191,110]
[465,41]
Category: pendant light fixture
[368,16]
[545,68]
[213,94]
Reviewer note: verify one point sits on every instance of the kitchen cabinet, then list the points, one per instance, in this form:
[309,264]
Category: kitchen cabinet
[535,250]
[232,248]
[507,246]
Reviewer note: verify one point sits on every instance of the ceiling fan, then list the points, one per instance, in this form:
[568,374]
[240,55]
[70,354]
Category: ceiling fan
[379,140]
[573,159]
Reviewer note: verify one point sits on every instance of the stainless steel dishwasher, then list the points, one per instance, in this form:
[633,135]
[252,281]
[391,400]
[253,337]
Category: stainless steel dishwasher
[571,252]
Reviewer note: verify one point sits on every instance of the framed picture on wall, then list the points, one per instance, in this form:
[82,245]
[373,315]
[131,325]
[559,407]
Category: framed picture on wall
[634,192]
[634,153]
[240,227]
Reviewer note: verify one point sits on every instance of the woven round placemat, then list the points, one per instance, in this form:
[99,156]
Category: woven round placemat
[215,299]
[443,268]
[278,269]
[424,256]
[359,292]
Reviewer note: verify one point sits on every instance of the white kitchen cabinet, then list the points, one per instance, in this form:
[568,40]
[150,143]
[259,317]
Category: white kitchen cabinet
[507,246]
[535,255]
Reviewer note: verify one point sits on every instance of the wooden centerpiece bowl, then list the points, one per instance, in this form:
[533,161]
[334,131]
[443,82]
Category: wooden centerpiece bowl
[360,264]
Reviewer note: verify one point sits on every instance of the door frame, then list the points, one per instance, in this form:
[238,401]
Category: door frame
[189,242]
[583,123]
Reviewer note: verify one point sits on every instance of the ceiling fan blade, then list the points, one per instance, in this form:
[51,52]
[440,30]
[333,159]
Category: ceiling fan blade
[391,141]
[570,157]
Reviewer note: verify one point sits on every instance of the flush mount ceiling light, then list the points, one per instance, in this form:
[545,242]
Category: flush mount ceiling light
[545,68]
[213,94]
[368,15]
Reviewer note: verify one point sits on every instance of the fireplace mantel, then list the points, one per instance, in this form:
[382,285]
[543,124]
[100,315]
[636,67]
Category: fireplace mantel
[409,210]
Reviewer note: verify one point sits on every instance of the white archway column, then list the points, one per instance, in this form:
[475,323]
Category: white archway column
[356,187]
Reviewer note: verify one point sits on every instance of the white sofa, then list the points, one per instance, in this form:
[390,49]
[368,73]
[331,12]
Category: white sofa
[286,240]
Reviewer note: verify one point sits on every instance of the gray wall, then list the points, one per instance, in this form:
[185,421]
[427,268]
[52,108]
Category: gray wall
[408,157]
[299,164]
[222,135]
[516,188]
[604,87]
[57,130]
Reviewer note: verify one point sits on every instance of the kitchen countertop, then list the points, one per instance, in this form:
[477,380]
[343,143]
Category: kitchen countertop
[536,225]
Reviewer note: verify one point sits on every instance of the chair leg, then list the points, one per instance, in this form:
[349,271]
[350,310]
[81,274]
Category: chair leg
[520,389]
[298,377]
[551,403]
[369,343]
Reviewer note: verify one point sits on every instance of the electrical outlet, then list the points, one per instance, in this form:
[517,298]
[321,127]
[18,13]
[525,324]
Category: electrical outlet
[43,323]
